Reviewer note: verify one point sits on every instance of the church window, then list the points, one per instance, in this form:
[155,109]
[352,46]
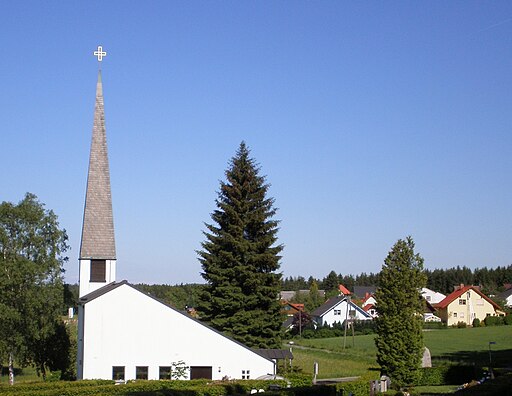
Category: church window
[118,373]
[98,270]
[141,372]
[164,373]
[246,374]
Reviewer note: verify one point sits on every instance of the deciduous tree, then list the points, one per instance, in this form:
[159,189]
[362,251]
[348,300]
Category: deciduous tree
[240,258]
[31,267]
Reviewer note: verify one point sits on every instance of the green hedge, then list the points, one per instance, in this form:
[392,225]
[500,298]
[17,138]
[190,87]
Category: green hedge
[448,375]
[357,388]
[138,388]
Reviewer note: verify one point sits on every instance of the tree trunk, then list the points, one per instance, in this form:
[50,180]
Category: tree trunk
[11,369]
[43,371]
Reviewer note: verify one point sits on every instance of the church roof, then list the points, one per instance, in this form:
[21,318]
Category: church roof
[98,225]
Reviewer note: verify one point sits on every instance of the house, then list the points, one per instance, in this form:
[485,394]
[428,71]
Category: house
[362,291]
[290,309]
[506,296]
[464,305]
[289,295]
[369,304]
[125,334]
[432,296]
[337,310]
[343,290]
[429,312]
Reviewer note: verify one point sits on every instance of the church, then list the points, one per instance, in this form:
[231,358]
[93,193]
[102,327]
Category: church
[123,333]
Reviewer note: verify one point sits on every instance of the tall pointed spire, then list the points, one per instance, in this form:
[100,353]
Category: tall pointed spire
[98,227]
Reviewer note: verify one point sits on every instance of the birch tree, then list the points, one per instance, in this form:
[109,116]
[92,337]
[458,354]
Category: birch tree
[31,267]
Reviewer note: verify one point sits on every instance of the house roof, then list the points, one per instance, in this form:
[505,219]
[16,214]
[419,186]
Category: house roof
[504,295]
[288,323]
[457,293]
[98,226]
[367,307]
[275,353]
[344,290]
[360,291]
[114,285]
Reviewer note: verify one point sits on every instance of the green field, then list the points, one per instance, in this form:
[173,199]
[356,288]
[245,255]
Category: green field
[470,345]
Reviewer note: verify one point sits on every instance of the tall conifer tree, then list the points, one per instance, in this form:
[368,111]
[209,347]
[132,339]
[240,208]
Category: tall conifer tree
[400,306]
[240,258]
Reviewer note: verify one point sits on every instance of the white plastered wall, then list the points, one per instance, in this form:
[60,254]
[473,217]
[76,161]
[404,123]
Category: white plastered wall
[125,327]
[330,317]
[86,286]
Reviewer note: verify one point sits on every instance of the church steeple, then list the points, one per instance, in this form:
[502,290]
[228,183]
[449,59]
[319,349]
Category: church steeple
[97,250]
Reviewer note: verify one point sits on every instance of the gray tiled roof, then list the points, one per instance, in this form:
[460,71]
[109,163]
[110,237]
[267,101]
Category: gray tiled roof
[332,302]
[360,291]
[98,226]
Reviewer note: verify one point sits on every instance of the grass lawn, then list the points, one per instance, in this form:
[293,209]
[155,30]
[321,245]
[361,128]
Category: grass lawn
[462,345]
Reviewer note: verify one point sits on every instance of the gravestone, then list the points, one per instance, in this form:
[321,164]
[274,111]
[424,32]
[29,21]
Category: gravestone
[426,360]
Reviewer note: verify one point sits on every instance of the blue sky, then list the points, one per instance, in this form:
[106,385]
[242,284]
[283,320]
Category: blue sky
[371,120]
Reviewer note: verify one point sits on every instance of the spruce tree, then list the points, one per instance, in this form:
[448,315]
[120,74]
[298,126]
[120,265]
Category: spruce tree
[399,338]
[240,258]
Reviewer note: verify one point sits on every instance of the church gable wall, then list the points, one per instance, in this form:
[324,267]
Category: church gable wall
[125,327]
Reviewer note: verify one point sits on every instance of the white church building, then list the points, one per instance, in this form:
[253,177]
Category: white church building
[123,333]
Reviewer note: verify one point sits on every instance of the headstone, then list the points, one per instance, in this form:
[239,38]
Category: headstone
[385,381]
[426,360]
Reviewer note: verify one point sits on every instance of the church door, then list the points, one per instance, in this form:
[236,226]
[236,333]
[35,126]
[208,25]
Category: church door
[198,372]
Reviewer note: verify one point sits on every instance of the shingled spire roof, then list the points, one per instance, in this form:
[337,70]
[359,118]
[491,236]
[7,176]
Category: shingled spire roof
[98,227]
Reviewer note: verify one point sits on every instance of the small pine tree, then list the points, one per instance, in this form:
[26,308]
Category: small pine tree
[399,338]
[240,258]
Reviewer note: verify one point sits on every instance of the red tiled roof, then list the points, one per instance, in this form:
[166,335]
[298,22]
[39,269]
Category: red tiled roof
[344,290]
[367,307]
[457,293]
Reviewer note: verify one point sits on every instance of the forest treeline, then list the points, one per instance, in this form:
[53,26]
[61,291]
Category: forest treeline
[491,280]
[181,296]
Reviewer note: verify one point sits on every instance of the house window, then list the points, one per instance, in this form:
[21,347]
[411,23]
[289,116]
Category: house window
[480,301]
[352,313]
[455,314]
[118,373]
[427,298]
[98,270]
[461,315]
[246,374]
[462,301]
[337,312]
[141,372]
[164,373]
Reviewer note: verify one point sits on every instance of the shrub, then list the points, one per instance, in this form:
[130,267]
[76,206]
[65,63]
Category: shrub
[508,320]
[476,322]
[461,325]
[356,388]
[434,325]
[493,321]
[447,375]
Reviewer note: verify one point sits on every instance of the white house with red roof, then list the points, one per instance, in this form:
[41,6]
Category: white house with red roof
[465,304]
